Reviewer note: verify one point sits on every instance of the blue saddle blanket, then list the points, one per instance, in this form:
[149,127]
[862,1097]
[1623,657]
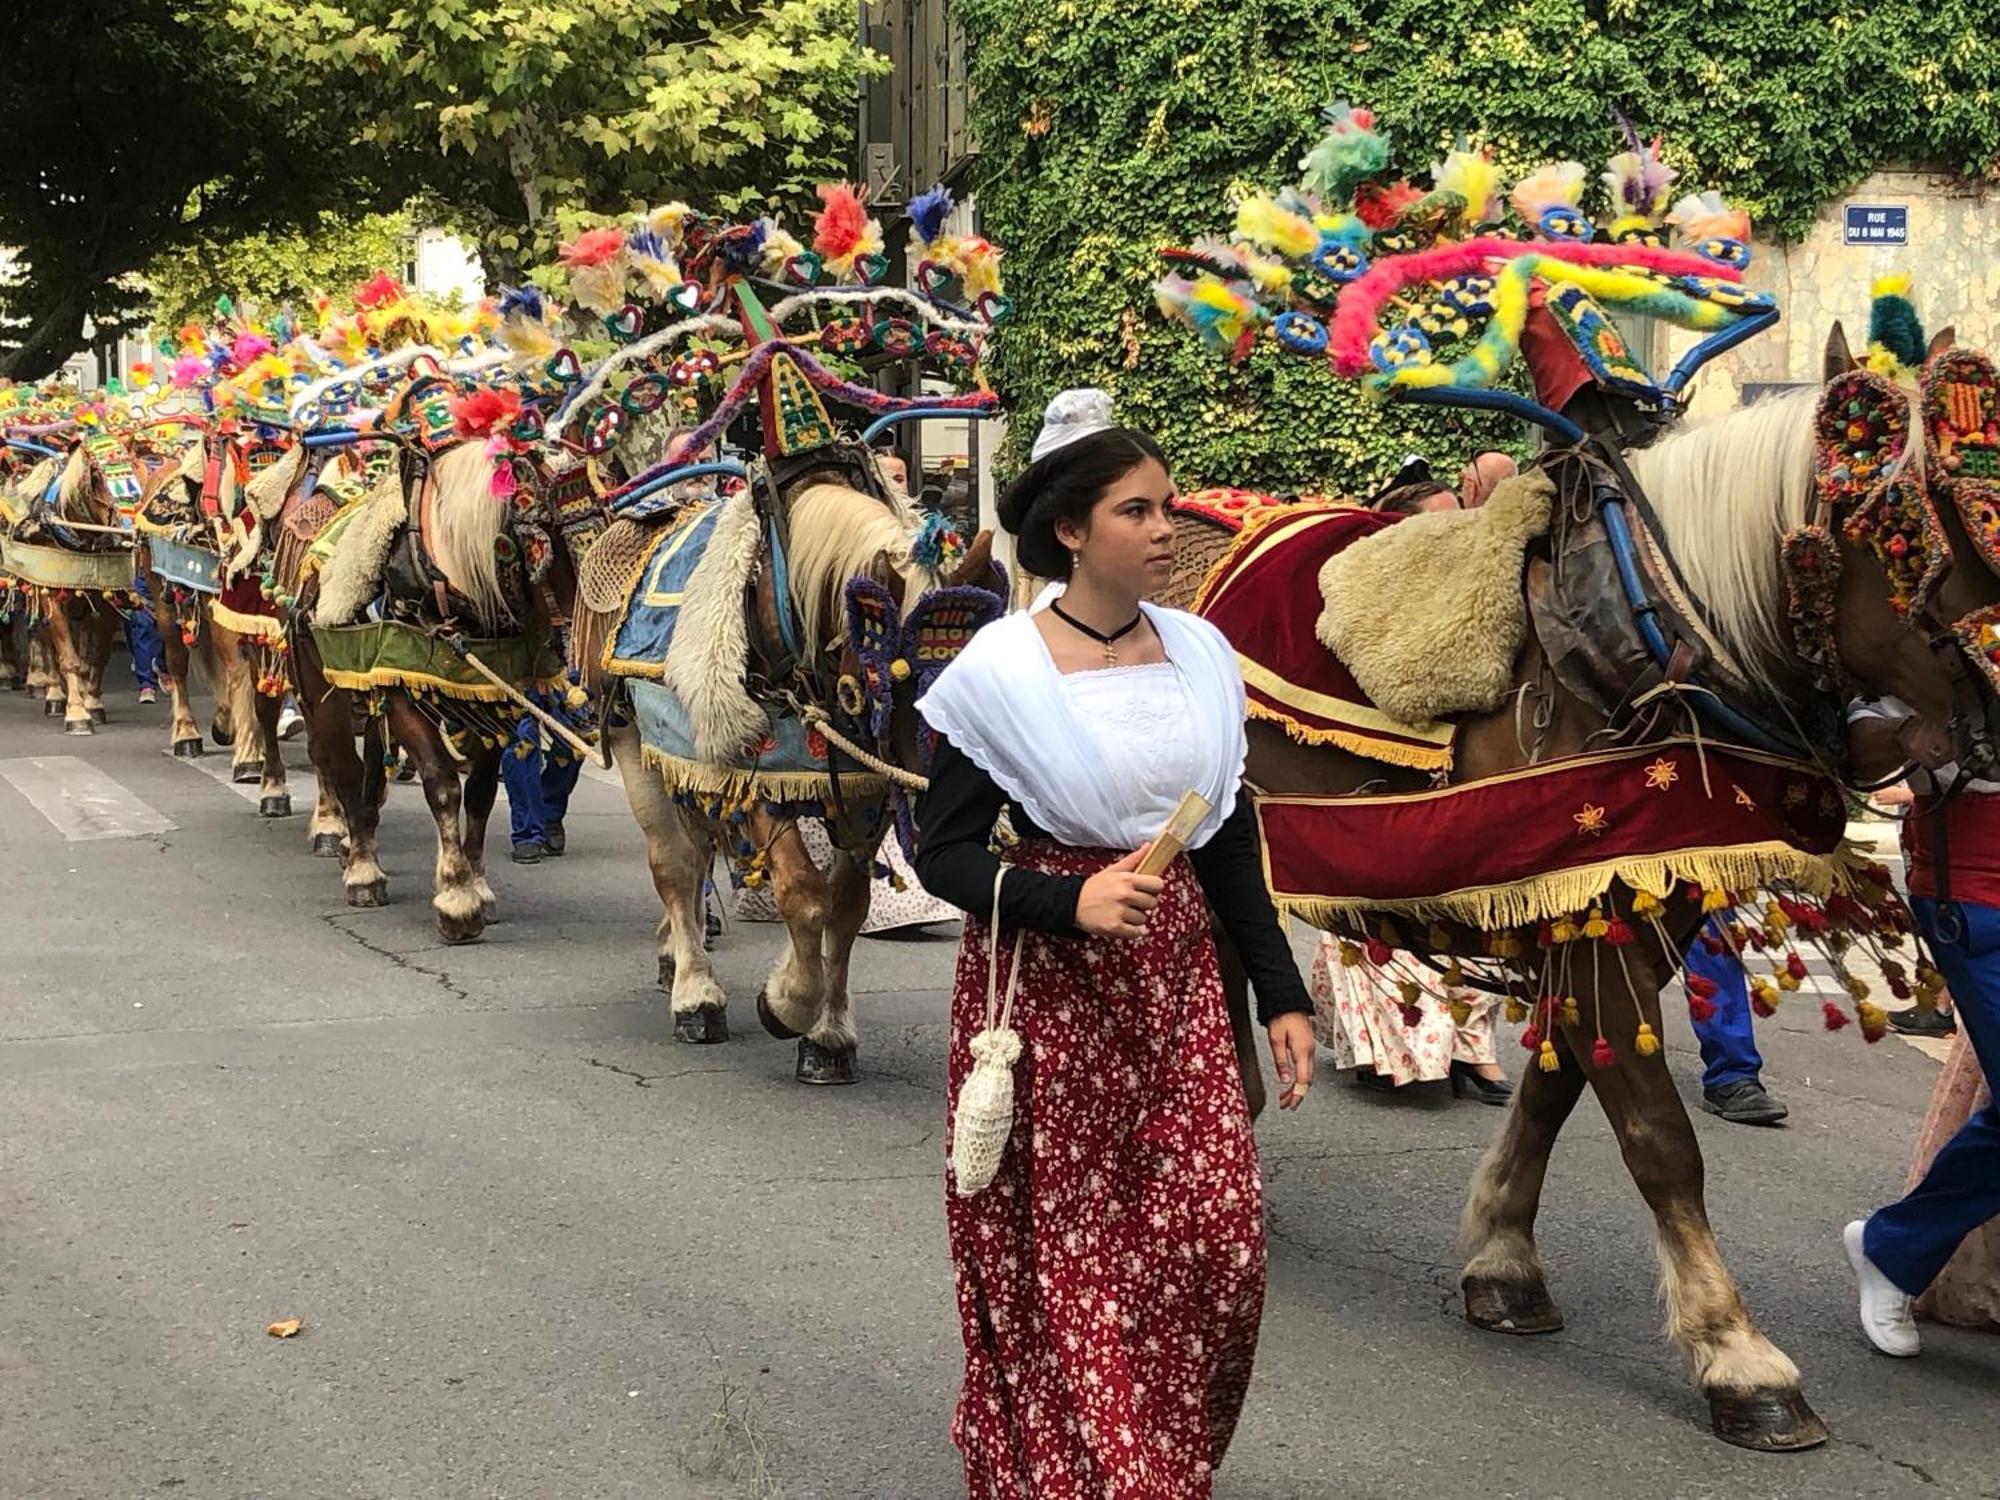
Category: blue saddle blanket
[789,751]
[639,645]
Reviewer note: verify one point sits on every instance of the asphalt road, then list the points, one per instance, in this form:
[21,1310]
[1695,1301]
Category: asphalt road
[539,1250]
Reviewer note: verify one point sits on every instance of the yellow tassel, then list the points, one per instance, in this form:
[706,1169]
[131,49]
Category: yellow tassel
[1646,1043]
[1775,918]
[1562,930]
[1516,1011]
[1507,945]
[1572,1014]
[1453,974]
[1440,939]
[1547,1060]
[1714,899]
[1389,933]
[1350,955]
[1596,926]
[1410,991]
[1461,1011]
[1787,983]
[1857,986]
[1872,1016]
[1646,904]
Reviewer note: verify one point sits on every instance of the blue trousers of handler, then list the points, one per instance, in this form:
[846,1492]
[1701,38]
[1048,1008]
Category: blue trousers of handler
[1728,1043]
[538,783]
[143,637]
[1911,1239]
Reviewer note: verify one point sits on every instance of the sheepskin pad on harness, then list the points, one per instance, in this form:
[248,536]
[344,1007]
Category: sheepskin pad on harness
[1428,614]
[352,575]
[709,656]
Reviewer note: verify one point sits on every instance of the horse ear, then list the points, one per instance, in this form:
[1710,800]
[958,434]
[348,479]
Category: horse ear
[1839,360]
[883,571]
[977,562]
[1943,339]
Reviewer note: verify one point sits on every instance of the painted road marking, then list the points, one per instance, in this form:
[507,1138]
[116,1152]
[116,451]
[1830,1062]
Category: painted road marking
[80,800]
[219,768]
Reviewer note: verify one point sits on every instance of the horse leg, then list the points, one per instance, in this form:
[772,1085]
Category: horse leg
[12,654]
[68,651]
[183,734]
[342,777]
[239,692]
[1751,1385]
[98,634]
[274,797]
[678,856]
[454,897]
[41,664]
[1505,1289]
[826,1053]
[482,784]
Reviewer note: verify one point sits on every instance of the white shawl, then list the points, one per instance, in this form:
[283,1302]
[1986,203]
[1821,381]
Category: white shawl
[1002,704]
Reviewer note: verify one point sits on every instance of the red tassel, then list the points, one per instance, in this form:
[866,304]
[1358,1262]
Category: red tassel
[1834,1016]
[1601,1055]
[1413,1016]
[1618,932]
[1795,966]
[1700,1009]
[1532,1038]
[1700,987]
[1378,952]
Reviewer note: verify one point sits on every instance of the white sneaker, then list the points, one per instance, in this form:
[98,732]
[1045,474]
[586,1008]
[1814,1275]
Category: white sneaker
[290,722]
[1885,1307]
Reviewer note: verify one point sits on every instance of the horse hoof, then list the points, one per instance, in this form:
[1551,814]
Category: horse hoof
[1766,1421]
[771,1022]
[249,773]
[79,726]
[459,931]
[220,736]
[188,749]
[702,1026]
[822,1065]
[1509,1306]
[51,707]
[373,893]
[326,845]
[98,716]
[275,807]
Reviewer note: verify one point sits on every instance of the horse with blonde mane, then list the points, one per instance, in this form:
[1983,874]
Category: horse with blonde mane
[837,534]
[1724,497]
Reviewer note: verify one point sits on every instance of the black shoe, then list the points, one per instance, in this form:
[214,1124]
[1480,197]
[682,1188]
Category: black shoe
[1468,1080]
[1368,1078]
[553,838]
[1743,1103]
[1916,1021]
[529,853]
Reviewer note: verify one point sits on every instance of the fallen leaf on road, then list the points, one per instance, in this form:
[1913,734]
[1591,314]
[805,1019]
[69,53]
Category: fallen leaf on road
[287,1329]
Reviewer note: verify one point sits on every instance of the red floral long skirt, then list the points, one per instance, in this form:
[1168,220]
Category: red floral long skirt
[1111,1279]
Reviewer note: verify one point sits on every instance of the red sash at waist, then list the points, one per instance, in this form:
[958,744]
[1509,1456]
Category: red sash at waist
[1972,845]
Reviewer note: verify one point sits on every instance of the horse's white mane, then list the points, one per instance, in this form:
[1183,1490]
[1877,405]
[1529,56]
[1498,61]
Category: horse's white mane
[1726,492]
[464,523]
[835,533]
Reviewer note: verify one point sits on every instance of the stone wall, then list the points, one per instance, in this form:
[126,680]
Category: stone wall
[1952,255]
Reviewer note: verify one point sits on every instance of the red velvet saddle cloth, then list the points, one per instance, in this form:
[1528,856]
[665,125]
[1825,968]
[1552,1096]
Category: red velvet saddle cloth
[1264,595]
[1551,839]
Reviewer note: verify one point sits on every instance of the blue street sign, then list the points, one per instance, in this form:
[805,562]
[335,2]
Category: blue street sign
[1878,224]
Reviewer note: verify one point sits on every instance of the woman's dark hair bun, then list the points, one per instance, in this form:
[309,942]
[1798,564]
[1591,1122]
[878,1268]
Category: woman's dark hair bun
[1066,485]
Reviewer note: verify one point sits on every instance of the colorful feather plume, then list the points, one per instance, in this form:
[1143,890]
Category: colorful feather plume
[780,247]
[1556,185]
[669,222]
[1474,178]
[1638,180]
[1263,221]
[248,348]
[843,231]
[652,260]
[928,211]
[1379,205]
[1894,329]
[1351,152]
[379,290]
[1704,216]
[594,247]
[487,410]
[1223,315]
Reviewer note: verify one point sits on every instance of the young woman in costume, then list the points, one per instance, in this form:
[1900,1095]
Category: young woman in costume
[1111,1277]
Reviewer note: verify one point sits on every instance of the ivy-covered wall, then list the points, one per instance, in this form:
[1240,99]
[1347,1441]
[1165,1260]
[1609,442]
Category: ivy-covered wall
[1111,127]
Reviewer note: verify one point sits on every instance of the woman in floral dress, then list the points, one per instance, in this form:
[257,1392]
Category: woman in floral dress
[1111,1277]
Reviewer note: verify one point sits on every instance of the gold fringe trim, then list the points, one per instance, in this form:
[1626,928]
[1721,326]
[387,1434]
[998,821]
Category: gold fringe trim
[1414,757]
[741,783]
[618,666]
[384,678]
[1522,903]
[258,627]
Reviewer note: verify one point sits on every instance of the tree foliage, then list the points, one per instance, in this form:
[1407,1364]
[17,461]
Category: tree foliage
[1108,130]
[523,107]
[126,136]
[332,255]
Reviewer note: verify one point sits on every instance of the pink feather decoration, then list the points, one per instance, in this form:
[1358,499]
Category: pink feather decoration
[1354,320]
[838,227]
[189,369]
[249,348]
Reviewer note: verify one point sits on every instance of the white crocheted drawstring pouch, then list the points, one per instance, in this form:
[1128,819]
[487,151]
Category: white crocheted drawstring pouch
[985,1114]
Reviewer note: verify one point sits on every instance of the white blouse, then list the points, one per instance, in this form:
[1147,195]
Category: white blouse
[1098,759]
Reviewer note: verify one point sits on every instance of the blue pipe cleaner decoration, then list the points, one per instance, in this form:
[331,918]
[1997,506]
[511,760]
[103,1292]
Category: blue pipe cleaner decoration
[745,252]
[928,211]
[935,538]
[647,242]
[523,299]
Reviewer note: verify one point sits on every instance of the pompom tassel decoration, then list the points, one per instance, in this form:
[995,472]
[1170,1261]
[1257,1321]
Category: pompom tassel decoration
[1547,1061]
[1874,1020]
[1646,1043]
[1700,1009]
[1601,1055]
[1834,1017]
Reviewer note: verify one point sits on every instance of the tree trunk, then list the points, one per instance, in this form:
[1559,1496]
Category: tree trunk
[51,341]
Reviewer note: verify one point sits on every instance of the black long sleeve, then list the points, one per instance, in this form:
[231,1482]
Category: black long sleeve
[1232,877]
[956,864]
